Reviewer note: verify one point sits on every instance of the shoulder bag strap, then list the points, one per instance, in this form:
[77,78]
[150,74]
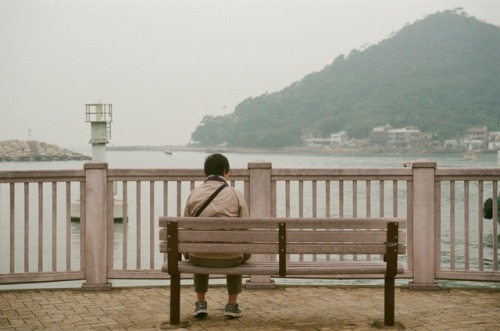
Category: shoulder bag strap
[202,208]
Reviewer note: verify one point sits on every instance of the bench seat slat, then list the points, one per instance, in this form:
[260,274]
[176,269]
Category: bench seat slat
[272,222]
[292,236]
[268,248]
[229,236]
[293,268]
[272,236]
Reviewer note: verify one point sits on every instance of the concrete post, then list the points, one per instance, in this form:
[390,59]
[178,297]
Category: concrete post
[260,206]
[96,272]
[423,226]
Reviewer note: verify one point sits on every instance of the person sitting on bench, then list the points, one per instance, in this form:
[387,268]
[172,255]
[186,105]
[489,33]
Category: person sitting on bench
[211,199]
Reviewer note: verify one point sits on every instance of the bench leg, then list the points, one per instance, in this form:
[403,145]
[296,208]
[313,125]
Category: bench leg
[389,301]
[175,299]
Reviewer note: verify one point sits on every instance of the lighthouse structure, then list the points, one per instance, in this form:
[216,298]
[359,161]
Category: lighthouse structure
[100,116]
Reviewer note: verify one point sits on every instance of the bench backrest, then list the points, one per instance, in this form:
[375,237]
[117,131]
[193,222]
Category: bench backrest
[283,235]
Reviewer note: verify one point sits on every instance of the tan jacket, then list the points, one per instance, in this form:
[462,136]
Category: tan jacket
[228,203]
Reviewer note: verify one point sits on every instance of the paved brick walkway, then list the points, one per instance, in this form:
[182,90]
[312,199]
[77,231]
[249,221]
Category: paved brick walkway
[286,308]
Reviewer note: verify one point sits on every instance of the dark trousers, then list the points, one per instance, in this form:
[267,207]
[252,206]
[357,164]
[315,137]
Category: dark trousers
[234,282]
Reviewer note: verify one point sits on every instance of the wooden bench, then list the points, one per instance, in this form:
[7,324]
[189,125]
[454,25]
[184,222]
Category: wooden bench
[283,236]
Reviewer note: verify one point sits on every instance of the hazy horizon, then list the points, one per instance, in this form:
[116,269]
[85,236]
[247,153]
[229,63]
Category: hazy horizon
[164,65]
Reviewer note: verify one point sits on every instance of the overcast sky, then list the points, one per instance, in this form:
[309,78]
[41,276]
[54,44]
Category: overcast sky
[164,65]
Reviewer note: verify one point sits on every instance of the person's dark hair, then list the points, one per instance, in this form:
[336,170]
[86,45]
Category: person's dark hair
[216,164]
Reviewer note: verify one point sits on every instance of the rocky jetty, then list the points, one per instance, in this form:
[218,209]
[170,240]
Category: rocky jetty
[20,150]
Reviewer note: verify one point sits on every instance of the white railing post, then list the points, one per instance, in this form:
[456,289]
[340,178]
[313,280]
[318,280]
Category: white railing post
[96,271]
[423,226]
[260,206]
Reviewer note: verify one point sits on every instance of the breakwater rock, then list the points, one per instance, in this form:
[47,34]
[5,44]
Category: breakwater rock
[21,150]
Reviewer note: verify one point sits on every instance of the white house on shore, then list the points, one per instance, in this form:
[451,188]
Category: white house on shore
[339,139]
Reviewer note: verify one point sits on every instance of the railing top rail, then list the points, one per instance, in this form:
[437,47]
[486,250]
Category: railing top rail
[470,173]
[344,173]
[169,174]
[35,176]
[441,174]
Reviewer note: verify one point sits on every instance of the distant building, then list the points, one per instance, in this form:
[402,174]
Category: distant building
[339,139]
[426,136]
[451,144]
[478,133]
[404,137]
[379,135]
[494,140]
[477,138]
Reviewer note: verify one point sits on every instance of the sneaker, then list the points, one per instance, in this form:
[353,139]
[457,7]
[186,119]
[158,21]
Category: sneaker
[232,310]
[200,309]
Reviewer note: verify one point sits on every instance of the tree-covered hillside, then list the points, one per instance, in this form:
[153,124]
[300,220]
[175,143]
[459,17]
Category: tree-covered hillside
[441,74]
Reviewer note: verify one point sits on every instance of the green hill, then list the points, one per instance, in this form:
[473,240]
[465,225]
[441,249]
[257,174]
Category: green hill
[441,74]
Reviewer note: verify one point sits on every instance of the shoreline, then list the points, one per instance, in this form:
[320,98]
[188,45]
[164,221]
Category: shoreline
[290,150]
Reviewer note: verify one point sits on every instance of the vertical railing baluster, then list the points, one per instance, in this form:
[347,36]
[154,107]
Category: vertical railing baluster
[301,207]
[466,224]
[12,226]
[110,224]
[68,226]
[179,198]
[54,226]
[138,222]
[495,225]
[395,198]
[1,232]
[165,198]
[452,225]
[301,198]
[480,195]
[314,198]
[354,206]
[437,227]
[327,198]
[368,212]
[165,206]
[341,198]
[26,226]
[83,226]
[125,224]
[287,198]
[287,209]
[152,231]
[327,206]
[246,191]
[314,206]
[368,187]
[354,198]
[381,194]
[40,226]
[273,197]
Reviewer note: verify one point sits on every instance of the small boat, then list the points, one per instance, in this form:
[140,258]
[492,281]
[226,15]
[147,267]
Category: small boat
[167,152]
[470,156]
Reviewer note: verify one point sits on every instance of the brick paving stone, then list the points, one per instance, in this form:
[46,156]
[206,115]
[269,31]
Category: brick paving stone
[291,308]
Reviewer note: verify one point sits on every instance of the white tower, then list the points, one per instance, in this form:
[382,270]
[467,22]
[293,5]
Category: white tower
[100,116]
